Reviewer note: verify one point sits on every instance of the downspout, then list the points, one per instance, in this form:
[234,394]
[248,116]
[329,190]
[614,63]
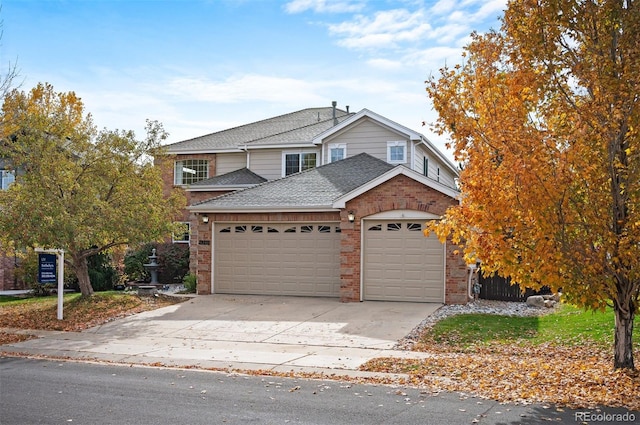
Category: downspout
[248,156]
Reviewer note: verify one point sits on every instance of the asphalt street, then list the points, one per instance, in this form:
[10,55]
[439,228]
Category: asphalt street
[63,392]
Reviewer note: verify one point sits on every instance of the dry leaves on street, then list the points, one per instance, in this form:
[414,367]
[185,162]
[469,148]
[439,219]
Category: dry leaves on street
[577,377]
[11,338]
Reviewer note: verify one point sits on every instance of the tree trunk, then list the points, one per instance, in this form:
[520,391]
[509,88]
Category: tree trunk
[81,268]
[623,344]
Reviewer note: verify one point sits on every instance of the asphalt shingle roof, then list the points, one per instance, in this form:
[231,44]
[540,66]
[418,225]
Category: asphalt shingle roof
[238,177]
[315,187]
[296,127]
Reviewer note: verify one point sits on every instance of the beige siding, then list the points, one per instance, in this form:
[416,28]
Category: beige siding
[365,136]
[418,159]
[228,162]
[445,176]
[266,163]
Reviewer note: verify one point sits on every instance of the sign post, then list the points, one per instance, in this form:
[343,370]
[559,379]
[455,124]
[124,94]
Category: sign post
[48,272]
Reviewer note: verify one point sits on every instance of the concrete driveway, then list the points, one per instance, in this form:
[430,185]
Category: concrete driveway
[245,332]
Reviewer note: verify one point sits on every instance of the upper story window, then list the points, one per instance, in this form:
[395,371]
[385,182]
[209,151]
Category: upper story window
[6,178]
[337,152]
[397,152]
[296,162]
[190,171]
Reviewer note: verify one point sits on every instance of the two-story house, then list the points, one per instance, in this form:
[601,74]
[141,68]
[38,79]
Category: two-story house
[318,202]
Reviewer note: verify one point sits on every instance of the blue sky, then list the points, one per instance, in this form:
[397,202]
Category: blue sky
[203,66]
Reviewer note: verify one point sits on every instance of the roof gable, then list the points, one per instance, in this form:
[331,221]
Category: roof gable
[341,201]
[237,178]
[394,126]
[410,134]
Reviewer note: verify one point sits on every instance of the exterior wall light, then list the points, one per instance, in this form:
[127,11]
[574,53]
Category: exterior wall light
[205,218]
[351,217]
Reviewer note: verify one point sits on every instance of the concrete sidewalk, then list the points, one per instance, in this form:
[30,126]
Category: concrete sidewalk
[244,332]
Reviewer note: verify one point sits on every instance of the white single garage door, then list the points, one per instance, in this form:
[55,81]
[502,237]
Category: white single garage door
[400,263]
[277,259]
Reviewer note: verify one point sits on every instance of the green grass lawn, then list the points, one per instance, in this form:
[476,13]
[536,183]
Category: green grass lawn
[567,326]
[10,300]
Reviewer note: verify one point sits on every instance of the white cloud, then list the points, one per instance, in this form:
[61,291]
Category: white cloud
[434,58]
[490,9]
[468,13]
[242,88]
[442,7]
[323,6]
[447,23]
[385,29]
[385,64]
[450,33]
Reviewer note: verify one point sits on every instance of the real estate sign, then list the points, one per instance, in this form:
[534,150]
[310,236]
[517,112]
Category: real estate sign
[47,268]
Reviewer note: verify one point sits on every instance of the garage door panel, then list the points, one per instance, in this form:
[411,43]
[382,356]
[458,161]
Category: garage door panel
[401,264]
[248,259]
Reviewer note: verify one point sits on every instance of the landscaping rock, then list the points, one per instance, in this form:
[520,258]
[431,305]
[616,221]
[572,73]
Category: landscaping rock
[536,301]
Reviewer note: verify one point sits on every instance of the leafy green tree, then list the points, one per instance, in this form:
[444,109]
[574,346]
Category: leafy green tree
[78,189]
[545,116]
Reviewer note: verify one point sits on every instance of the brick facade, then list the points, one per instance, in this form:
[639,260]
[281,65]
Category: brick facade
[8,278]
[400,192]
[166,165]
[6,273]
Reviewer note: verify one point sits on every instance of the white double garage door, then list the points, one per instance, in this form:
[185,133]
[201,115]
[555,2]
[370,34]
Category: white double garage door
[303,259]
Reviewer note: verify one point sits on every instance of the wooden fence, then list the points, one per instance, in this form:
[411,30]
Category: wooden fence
[500,288]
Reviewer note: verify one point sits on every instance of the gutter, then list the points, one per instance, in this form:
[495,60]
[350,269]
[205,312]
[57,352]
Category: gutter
[218,188]
[204,208]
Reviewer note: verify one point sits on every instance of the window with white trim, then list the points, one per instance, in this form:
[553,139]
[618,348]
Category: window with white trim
[183,232]
[189,171]
[337,152]
[297,162]
[6,178]
[397,152]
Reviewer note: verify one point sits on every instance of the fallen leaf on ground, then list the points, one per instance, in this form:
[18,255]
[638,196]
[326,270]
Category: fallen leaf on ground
[577,377]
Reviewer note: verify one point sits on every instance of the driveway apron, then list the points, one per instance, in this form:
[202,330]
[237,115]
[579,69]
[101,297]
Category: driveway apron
[244,332]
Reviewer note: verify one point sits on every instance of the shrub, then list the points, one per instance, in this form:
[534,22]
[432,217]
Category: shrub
[173,262]
[190,281]
[102,274]
[134,260]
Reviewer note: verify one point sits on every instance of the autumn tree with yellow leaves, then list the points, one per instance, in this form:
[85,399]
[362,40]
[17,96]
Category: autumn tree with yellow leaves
[544,116]
[76,188]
